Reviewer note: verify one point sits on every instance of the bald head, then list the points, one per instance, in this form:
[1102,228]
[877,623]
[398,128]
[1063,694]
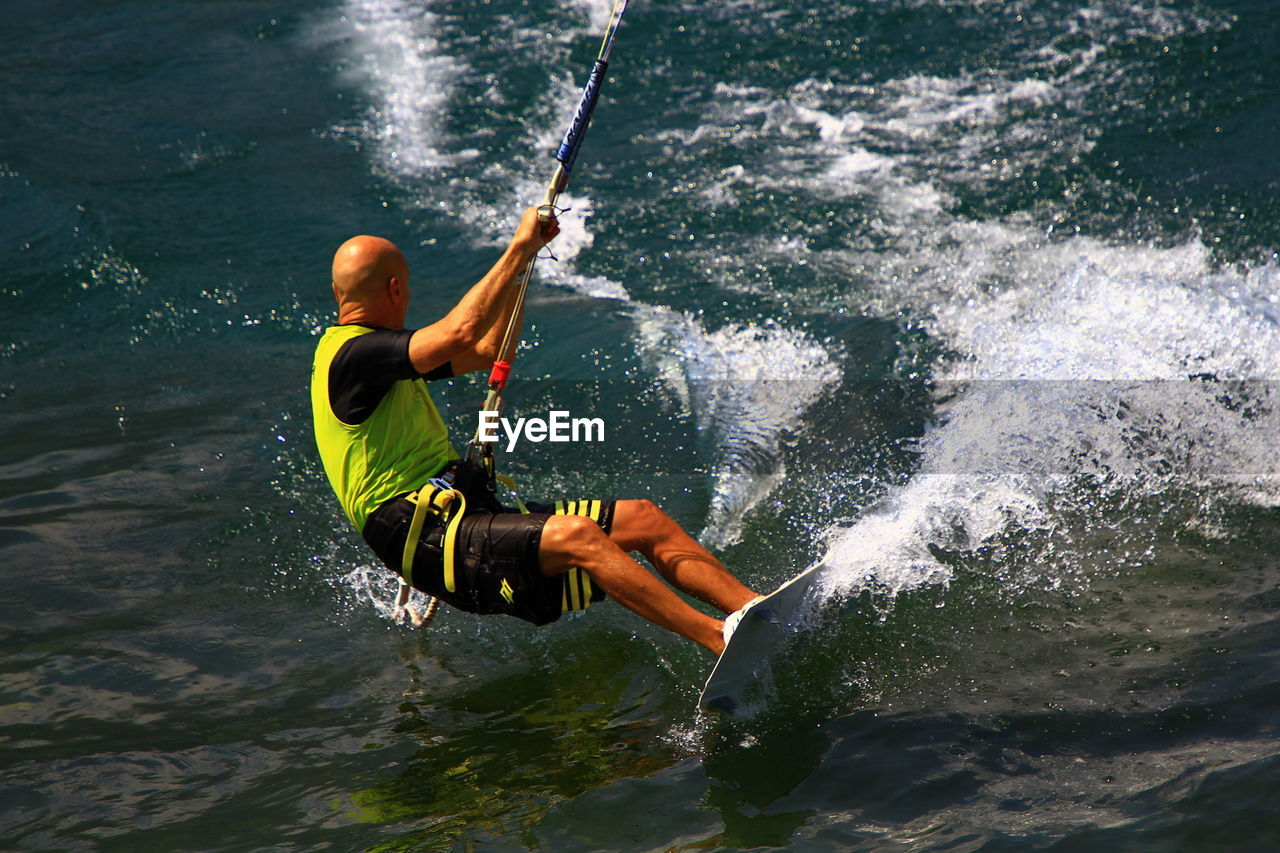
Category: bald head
[370,279]
[364,263]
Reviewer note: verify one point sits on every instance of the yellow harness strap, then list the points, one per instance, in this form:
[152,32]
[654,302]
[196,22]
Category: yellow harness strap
[450,505]
[511,486]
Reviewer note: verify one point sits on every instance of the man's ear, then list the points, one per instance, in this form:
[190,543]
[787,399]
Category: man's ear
[395,290]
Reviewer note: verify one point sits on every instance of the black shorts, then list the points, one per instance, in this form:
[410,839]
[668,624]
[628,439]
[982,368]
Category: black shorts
[496,556]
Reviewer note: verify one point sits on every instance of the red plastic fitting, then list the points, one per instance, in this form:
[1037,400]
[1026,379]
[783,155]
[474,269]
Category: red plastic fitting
[498,376]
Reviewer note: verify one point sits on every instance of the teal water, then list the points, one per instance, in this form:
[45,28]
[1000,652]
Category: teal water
[973,304]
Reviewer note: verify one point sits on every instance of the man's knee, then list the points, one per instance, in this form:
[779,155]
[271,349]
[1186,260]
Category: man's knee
[569,540]
[639,524]
[642,514]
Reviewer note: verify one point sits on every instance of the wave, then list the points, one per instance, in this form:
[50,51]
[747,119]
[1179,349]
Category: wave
[1064,360]
[395,55]
[746,387]
[1142,371]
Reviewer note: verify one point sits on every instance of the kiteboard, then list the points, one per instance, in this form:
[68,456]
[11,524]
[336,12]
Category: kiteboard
[735,684]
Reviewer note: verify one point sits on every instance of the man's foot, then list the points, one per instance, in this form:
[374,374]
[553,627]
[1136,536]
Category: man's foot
[731,621]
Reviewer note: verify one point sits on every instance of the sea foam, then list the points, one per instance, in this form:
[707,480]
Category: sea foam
[395,54]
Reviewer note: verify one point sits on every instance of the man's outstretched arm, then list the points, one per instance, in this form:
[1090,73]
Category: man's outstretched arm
[470,334]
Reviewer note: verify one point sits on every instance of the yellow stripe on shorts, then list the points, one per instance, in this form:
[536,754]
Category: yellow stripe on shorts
[585,508]
[577,583]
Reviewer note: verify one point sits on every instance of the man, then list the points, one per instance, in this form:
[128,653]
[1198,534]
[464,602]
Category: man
[383,442]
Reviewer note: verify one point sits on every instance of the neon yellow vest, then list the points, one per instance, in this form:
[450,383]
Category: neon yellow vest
[397,449]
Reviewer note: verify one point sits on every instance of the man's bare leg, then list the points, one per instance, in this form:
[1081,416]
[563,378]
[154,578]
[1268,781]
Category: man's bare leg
[640,525]
[571,540]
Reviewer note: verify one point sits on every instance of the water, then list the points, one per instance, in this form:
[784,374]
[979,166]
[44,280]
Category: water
[975,305]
